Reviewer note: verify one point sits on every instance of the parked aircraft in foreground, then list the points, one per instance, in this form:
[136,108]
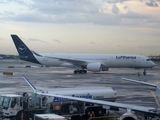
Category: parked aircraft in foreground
[131,110]
[83,62]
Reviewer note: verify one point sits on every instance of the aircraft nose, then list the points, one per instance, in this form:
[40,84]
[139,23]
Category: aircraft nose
[153,64]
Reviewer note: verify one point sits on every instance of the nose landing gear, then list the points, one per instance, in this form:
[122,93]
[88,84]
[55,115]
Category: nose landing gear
[144,72]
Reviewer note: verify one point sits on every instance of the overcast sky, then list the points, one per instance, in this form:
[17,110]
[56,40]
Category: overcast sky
[82,26]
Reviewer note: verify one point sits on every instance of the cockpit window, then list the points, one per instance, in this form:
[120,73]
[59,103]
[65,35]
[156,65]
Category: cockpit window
[147,59]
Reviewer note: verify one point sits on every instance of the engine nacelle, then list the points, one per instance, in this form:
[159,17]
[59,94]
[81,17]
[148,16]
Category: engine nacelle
[96,67]
[128,116]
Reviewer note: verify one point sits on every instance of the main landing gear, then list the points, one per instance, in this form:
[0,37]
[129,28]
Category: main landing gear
[80,71]
[144,72]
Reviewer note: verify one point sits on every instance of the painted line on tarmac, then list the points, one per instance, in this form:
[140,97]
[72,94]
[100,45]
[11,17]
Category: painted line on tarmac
[154,96]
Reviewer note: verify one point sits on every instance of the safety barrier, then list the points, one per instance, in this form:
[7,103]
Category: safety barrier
[10,66]
[28,66]
[7,73]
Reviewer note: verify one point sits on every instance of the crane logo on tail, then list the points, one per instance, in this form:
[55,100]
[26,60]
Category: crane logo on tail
[21,48]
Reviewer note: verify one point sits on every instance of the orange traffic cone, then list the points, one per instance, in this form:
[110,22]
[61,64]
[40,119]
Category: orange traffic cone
[22,118]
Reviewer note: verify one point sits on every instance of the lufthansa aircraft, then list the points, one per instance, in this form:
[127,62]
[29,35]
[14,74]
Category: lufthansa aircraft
[83,62]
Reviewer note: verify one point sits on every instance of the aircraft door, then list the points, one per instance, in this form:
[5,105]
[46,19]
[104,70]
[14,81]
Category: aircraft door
[138,60]
[111,59]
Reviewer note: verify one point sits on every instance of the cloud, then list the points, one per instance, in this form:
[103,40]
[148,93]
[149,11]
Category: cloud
[2,2]
[83,11]
[64,6]
[20,2]
[115,1]
[115,9]
[1,39]
[125,7]
[92,43]
[57,41]
[37,40]
[129,18]
[149,47]
[152,3]
[13,27]
[6,15]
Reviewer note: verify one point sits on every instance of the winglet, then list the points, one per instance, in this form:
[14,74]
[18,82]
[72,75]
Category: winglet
[29,83]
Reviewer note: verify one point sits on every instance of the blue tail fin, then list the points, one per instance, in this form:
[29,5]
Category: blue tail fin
[24,52]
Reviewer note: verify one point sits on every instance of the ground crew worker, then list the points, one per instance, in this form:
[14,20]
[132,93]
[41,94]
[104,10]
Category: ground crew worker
[138,74]
[92,115]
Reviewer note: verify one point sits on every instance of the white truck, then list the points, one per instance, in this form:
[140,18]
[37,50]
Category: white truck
[12,105]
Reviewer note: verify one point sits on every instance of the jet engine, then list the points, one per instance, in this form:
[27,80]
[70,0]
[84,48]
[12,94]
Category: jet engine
[96,67]
[128,116]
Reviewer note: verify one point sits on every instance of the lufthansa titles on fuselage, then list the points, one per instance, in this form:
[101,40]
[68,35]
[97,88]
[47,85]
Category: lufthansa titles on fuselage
[125,57]
[87,96]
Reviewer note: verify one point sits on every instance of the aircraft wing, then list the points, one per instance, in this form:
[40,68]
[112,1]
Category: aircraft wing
[71,60]
[75,62]
[141,82]
[128,107]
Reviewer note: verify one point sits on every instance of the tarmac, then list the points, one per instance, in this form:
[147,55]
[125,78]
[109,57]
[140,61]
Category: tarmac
[51,77]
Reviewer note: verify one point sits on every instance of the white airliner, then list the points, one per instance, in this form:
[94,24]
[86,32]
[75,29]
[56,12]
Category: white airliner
[83,62]
[132,111]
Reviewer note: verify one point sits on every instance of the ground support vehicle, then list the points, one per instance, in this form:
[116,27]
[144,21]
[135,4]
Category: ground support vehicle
[27,104]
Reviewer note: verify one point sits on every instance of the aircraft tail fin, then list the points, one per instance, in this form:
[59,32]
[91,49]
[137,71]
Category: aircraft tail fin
[24,52]
[29,83]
